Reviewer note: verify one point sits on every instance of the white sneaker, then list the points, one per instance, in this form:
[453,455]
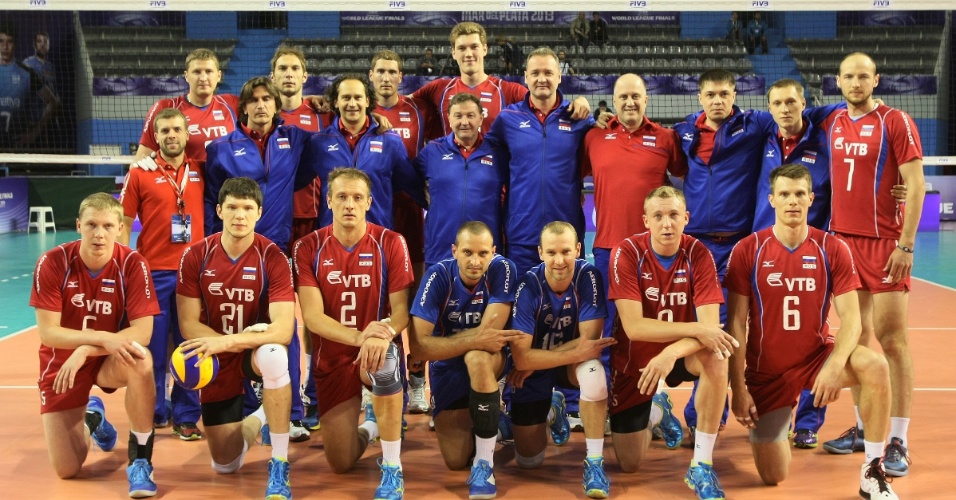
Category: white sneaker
[298,432]
[366,398]
[574,420]
[873,482]
[416,395]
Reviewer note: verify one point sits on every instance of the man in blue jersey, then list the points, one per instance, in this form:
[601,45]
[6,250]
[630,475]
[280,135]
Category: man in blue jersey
[560,307]
[457,317]
[21,86]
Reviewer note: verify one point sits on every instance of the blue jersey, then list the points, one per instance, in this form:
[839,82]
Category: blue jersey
[443,300]
[553,318]
[382,156]
[237,155]
[18,87]
[460,190]
[543,169]
[46,71]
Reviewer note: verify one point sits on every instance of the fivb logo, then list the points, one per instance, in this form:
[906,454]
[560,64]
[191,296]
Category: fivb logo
[638,4]
[37,3]
[760,4]
[517,5]
[881,4]
[153,4]
[397,5]
[278,5]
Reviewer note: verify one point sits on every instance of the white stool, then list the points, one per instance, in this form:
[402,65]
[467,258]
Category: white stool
[41,222]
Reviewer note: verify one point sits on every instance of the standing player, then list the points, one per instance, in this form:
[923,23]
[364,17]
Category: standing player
[559,305]
[457,317]
[353,279]
[782,279]
[168,201]
[872,147]
[236,301]
[667,294]
[21,85]
[94,311]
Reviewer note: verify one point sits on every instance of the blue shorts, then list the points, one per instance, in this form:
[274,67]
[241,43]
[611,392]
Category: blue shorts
[450,383]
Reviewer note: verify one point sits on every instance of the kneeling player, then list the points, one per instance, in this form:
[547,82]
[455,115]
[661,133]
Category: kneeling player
[236,301]
[94,314]
[665,287]
[783,278]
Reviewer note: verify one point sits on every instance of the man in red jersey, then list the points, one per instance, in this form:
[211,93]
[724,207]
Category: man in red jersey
[665,286]
[780,282]
[873,147]
[169,203]
[353,278]
[236,301]
[94,306]
[469,46]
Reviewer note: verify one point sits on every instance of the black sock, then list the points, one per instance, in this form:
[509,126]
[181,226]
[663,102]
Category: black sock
[93,420]
[420,373]
[137,450]
[484,408]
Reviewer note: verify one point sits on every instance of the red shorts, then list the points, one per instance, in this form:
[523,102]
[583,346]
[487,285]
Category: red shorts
[870,256]
[76,397]
[772,391]
[624,392]
[230,380]
[410,223]
[337,380]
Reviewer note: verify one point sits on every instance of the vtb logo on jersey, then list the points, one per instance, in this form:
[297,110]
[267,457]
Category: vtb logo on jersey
[350,280]
[77,299]
[94,306]
[652,293]
[852,148]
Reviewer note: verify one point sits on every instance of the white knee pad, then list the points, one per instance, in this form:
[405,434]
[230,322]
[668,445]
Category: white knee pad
[530,462]
[591,380]
[273,362]
[233,466]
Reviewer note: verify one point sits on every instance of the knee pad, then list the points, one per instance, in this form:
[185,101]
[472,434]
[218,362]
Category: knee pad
[233,466]
[388,380]
[530,462]
[591,380]
[273,364]
[772,427]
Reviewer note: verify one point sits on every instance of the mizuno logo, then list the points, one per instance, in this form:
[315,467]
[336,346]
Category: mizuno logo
[482,407]
[209,272]
[328,262]
[333,147]
[525,124]
[447,156]
[767,263]
[610,136]
[688,137]
[770,154]
[73,284]
[240,152]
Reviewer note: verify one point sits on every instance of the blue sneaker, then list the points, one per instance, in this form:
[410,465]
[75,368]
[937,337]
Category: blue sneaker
[560,427]
[279,487]
[596,484]
[671,428]
[266,438]
[140,477]
[392,486]
[481,482]
[703,480]
[848,442]
[104,435]
[895,460]
[370,417]
[311,419]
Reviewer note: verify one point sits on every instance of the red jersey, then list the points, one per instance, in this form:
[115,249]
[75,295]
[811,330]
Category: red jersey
[789,294]
[204,123]
[306,201]
[354,283]
[865,155]
[120,292]
[639,160]
[155,196]
[411,119]
[494,93]
[235,293]
[668,293]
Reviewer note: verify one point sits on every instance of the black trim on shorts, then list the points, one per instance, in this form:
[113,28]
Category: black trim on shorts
[633,419]
[530,412]
[679,374]
[228,411]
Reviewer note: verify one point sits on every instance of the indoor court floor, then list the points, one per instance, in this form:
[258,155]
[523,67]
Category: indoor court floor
[182,468]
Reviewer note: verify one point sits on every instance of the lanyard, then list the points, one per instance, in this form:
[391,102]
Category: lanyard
[179,191]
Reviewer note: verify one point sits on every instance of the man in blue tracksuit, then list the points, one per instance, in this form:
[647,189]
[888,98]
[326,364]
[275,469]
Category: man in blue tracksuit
[539,144]
[269,154]
[464,180]
[352,141]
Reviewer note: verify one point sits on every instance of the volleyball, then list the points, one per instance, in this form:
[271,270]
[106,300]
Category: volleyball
[189,376]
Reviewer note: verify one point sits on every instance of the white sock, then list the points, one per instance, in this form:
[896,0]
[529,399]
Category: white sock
[308,370]
[595,447]
[485,450]
[141,437]
[551,415]
[704,447]
[859,419]
[657,414]
[280,445]
[898,428]
[873,450]
[261,415]
[392,452]
[371,428]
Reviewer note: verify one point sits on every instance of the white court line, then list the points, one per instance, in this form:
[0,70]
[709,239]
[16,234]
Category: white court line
[933,283]
[14,334]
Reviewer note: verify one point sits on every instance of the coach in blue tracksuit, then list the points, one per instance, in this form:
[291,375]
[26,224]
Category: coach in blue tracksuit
[540,144]
[352,141]
[464,180]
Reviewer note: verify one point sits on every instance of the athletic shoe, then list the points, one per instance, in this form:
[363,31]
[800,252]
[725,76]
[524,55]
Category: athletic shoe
[187,431]
[560,429]
[574,420]
[366,398]
[805,439]
[874,483]
[505,434]
[140,477]
[392,486]
[670,427]
[279,486]
[703,480]
[895,459]
[104,435]
[416,395]
[596,484]
[848,442]
[656,433]
[311,419]
[691,435]
[161,421]
[297,432]
[266,438]
[481,482]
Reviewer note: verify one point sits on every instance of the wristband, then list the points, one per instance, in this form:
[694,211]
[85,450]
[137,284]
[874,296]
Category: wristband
[387,321]
[905,249]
